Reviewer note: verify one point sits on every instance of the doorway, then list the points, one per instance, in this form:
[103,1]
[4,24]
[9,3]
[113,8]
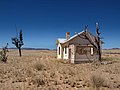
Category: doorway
[69,53]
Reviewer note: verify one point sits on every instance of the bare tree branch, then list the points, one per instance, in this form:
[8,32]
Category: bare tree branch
[18,42]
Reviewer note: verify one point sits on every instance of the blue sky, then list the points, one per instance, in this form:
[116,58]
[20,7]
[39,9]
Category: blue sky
[43,21]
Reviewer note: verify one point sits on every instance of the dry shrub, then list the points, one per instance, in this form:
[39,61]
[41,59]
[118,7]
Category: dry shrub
[38,80]
[50,65]
[97,81]
[39,66]
[45,65]
[96,64]
[3,56]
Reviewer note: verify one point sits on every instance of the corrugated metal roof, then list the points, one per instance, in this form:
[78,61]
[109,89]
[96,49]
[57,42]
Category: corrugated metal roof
[61,40]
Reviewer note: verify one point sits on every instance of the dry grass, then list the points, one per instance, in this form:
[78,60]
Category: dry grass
[39,70]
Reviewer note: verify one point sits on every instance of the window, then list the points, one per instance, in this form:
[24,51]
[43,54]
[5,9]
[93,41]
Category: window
[65,49]
[59,50]
[81,50]
[91,51]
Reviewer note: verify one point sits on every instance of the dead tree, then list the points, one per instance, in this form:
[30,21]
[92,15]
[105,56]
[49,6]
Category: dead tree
[88,38]
[98,41]
[18,42]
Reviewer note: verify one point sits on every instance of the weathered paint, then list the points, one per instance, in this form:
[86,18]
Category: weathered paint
[72,47]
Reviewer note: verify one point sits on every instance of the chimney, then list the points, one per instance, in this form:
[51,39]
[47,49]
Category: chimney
[67,35]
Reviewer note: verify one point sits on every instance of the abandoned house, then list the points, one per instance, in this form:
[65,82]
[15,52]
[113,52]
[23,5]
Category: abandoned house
[80,47]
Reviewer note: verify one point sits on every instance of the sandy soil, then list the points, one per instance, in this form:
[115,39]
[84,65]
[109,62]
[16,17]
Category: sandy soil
[39,70]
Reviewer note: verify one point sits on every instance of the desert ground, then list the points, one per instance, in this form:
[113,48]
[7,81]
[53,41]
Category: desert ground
[40,70]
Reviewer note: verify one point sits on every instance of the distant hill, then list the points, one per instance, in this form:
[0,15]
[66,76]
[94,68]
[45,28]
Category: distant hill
[112,49]
[115,48]
[32,48]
